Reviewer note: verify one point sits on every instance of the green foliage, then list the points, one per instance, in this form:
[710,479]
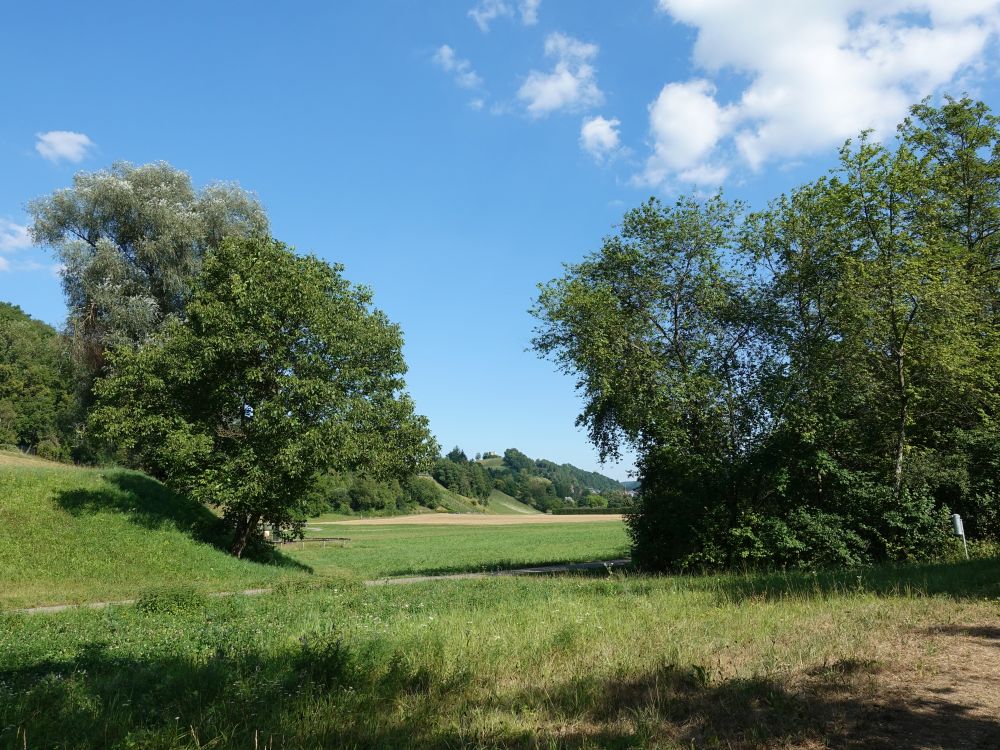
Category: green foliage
[815,384]
[38,406]
[457,455]
[131,240]
[279,372]
[544,484]
[462,476]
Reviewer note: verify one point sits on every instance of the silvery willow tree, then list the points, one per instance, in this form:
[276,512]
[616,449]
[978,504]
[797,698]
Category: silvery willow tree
[130,240]
[812,384]
[278,371]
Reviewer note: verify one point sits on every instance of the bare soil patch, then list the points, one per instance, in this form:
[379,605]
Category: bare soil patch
[469,519]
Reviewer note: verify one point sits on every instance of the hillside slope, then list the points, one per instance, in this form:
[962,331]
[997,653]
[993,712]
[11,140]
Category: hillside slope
[456,503]
[503,504]
[71,535]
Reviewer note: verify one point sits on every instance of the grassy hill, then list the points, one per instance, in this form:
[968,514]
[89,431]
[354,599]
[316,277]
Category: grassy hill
[503,504]
[71,535]
[456,503]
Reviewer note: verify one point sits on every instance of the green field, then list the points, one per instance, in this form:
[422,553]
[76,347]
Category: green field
[393,550]
[895,657]
[69,534]
[733,662]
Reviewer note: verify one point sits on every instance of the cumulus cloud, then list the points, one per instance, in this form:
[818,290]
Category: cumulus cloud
[817,73]
[461,70]
[686,123]
[599,136]
[570,85]
[60,145]
[487,11]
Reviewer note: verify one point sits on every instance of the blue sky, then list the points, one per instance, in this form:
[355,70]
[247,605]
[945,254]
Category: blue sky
[454,154]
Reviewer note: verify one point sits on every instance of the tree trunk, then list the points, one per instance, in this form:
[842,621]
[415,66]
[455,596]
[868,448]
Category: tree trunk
[897,486]
[245,526]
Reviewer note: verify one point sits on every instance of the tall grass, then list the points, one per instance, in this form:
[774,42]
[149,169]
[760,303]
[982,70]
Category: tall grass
[619,661]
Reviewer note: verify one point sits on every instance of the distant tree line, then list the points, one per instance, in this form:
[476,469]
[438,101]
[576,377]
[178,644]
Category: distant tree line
[812,384]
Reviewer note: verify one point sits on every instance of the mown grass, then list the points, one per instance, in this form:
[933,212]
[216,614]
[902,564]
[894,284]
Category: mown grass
[393,550]
[616,661]
[69,534]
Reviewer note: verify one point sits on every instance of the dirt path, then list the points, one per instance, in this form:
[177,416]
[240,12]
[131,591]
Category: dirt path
[535,570]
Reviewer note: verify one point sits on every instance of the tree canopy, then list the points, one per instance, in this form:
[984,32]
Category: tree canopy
[37,401]
[811,384]
[278,371]
[131,240]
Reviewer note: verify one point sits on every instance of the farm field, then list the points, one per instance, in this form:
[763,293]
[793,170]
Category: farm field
[438,543]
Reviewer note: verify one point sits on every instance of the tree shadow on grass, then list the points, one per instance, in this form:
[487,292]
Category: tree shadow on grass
[323,693]
[973,579]
[832,707]
[152,505]
[503,567]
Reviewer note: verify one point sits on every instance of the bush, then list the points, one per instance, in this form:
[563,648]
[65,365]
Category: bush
[49,448]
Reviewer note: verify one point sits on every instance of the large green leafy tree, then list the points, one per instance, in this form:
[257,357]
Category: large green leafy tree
[37,403]
[657,326]
[279,371]
[130,240]
[813,384]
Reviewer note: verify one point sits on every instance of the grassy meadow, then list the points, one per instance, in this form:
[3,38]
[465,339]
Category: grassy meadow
[892,657]
[72,535]
[378,551]
[613,661]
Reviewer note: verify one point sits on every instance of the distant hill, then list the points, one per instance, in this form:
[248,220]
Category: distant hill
[545,484]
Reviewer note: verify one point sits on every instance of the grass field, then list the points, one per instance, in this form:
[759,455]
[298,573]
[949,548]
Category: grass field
[383,548]
[896,657]
[900,658]
[70,534]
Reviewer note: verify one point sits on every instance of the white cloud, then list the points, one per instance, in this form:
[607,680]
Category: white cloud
[487,11]
[529,11]
[461,70]
[570,85]
[599,136]
[818,73]
[686,124]
[13,236]
[57,145]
